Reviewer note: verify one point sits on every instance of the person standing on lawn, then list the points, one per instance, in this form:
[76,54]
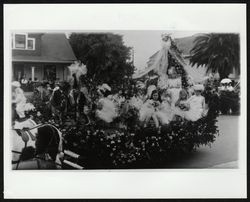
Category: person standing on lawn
[83,101]
[19,100]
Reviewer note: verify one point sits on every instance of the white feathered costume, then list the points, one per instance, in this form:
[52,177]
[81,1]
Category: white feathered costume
[107,109]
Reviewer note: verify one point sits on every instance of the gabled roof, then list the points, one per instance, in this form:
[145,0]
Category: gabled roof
[55,47]
[185,44]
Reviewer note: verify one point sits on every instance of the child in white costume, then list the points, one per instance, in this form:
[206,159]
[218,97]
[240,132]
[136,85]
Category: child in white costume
[197,105]
[182,105]
[107,110]
[165,113]
[150,108]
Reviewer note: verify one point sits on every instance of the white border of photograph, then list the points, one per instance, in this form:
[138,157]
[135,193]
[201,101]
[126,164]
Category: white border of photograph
[158,183]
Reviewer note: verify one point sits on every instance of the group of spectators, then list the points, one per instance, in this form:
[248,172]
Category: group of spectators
[29,85]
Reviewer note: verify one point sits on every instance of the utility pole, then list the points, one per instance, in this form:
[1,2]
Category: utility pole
[133,56]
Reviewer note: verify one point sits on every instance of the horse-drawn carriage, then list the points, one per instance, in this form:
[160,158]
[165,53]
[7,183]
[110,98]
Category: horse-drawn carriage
[39,146]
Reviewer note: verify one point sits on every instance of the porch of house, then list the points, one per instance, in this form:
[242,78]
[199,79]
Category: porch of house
[40,71]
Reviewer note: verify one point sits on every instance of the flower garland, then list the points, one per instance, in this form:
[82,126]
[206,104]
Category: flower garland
[138,148]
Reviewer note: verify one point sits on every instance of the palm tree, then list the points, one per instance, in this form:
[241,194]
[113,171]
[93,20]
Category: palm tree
[219,52]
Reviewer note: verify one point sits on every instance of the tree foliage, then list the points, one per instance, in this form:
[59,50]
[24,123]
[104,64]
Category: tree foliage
[219,52]
[106,56]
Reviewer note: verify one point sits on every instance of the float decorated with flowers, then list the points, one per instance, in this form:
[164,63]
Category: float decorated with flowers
[150,119]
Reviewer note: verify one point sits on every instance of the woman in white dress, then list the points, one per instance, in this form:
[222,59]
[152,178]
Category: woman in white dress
[174,84]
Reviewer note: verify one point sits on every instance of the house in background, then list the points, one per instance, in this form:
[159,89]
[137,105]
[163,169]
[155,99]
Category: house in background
[44,56]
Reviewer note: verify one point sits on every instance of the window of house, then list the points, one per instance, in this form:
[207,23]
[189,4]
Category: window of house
[30,44]
[21,41]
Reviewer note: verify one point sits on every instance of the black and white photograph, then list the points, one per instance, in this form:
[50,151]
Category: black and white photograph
[91,100]
[88,96]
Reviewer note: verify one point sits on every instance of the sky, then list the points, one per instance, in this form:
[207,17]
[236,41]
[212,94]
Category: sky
[146,43]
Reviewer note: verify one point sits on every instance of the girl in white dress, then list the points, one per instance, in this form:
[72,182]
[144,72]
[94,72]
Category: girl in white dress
[107,110]
[182,105]
[197,105]
[165,113]
[150,108]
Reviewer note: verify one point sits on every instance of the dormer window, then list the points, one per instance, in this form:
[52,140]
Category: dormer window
[23,42]
[20,41]
[30,44]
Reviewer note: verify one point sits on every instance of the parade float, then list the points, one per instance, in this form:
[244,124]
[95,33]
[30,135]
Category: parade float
[124,143]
